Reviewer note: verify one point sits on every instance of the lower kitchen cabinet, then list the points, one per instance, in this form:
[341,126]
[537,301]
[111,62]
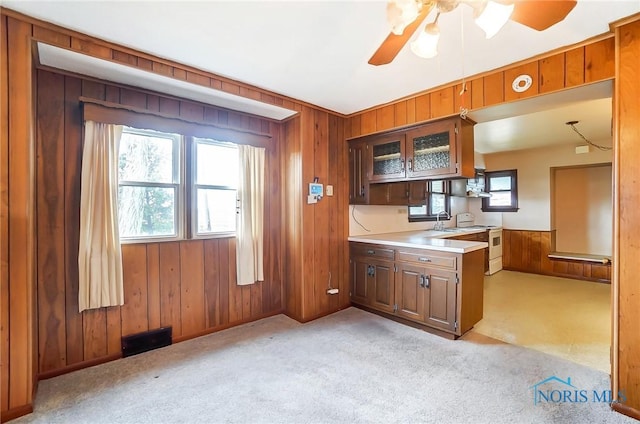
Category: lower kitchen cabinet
[373,283]
[440,290]
[427,295]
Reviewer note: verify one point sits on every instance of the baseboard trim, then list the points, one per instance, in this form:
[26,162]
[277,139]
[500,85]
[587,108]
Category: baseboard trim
[13,413]
[80,365]
[557,274]
[626,410]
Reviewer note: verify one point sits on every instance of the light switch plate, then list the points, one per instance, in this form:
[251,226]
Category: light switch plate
[329,190]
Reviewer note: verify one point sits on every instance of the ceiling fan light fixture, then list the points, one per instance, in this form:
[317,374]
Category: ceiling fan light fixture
[426,45]
[401,13]
[491,16]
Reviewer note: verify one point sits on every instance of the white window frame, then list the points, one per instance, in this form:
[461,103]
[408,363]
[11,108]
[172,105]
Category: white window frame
[178,185]
[195,234]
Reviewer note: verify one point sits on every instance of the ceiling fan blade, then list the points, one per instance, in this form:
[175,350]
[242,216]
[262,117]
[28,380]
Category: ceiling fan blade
[541,14]
[392,45]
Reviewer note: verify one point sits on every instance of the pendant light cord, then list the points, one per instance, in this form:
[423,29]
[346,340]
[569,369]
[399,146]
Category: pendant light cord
[572,124]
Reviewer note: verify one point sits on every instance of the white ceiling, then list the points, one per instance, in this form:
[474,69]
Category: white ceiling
[315,51]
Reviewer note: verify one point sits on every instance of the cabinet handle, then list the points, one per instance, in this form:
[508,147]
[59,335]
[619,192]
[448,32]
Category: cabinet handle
[421,280]
[401,163]
[426,282]
[409,164]
[371,271]
[371,252]
[424,259]
[362,191]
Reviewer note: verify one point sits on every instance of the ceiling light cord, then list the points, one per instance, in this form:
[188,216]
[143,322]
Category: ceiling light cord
[572,124]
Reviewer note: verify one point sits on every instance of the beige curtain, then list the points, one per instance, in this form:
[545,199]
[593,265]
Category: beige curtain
[249,229]
[99,255]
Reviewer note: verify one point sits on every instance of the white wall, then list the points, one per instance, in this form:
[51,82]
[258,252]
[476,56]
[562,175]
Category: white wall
[390,219]
[534,183]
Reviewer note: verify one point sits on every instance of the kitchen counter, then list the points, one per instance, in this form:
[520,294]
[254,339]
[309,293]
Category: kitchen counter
[426,239]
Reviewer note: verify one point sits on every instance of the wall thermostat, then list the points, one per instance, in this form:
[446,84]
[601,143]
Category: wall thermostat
[521,83]
[316,191]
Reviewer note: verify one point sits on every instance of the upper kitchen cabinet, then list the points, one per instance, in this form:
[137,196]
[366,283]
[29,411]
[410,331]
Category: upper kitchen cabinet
[434,150]
[387,157]
[358,180]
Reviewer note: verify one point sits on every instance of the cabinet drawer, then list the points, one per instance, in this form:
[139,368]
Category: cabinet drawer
[371,251]
[429,259]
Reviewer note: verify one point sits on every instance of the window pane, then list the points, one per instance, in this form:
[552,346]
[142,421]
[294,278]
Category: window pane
[418,210]
[500,183]
[216,165]
[437,186]
[146,158]
[500,198]
[437,203]
[146,211]
[216,211]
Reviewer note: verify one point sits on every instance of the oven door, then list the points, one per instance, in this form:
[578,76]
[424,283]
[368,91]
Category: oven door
[495,244]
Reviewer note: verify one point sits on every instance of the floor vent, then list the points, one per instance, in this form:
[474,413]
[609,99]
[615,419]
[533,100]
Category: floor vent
[143,342]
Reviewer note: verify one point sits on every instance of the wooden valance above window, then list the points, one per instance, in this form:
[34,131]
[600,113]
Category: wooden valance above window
[113,113]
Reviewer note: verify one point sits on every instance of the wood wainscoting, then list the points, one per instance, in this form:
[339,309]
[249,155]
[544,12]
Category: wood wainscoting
[189,285]
[527,251]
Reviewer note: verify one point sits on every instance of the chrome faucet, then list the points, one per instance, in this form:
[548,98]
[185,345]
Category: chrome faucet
[440,225]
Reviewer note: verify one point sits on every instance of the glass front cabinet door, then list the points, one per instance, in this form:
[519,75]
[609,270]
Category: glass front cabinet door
[431,150]
[387,157]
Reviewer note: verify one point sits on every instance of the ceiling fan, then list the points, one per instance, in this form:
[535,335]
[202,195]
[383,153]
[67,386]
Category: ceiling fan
[405,16]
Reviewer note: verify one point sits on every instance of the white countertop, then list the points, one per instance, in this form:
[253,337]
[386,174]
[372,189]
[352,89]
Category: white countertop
[426,239]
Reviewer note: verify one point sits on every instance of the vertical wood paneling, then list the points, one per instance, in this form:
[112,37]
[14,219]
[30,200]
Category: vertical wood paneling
[321,209]
[599,60]
[72,166]
[153,285]
[368,122]
[170,287]
[411,111]
[626,344]
[235,291]
[192,287]
[552,73]
[527,251]
[385,118]
[134,276]
[574,67]
[94,326]
[356,125]
[211,284]
[422,108]
[50,204]
[21,208]
[477,90]
[223,277]
[400,112]
[4,215]
[442,103]
[493,88]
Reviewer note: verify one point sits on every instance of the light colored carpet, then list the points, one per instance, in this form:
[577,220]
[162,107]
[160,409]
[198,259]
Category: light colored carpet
[352,366]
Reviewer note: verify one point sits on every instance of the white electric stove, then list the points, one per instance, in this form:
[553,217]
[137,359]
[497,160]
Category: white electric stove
[467,220]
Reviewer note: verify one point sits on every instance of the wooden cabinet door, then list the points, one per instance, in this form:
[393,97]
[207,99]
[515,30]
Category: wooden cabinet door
[410,292]
[382,294]
[360,270]
[417,192]
[386,155]
[441,299]
[431,150]
[358,182]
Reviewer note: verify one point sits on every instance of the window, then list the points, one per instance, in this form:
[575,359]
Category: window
[155,175]
[437,200]
[149,192]
[215,184]
[503,187]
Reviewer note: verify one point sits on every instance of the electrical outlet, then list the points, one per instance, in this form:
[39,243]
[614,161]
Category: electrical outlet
[402,211]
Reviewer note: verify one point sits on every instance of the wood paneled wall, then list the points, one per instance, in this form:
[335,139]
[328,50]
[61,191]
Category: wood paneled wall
[189,285]
[568,69]
[194,292]
[626,286]
[17,223]
[317,251]
[527,251]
